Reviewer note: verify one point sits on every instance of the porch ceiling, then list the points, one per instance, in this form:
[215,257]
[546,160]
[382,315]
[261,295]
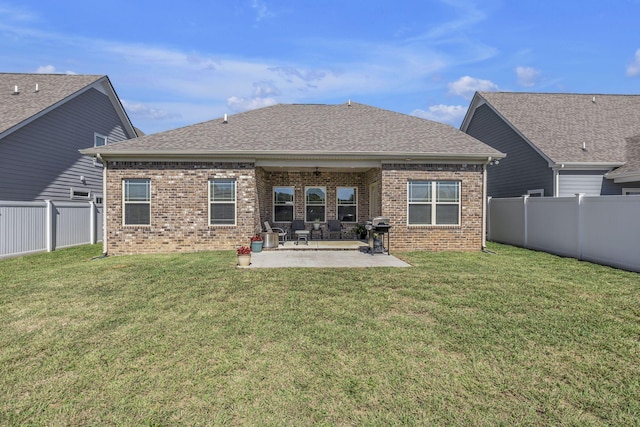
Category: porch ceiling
[323,166]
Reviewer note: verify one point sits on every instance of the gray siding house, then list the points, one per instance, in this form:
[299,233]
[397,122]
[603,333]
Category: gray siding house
[559,144]
[44,120]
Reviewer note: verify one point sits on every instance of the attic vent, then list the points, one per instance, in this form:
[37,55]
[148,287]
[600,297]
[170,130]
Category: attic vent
[37,88]
[593,99]
[225,121]
[15,90]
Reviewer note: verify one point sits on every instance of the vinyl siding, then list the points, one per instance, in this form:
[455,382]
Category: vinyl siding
[523,169]
[41,160]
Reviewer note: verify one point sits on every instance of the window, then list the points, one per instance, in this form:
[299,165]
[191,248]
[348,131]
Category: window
[433,202]
[347,201]
[315,203]
[222,202]
[99,140]
[631,191]
[79,194]
[283,204]
[137,201]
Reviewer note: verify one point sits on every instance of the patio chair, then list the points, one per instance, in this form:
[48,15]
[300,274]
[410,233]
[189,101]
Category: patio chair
[282,234]
[334,226]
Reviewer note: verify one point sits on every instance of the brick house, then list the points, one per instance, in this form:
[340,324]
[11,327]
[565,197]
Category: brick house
[213,184]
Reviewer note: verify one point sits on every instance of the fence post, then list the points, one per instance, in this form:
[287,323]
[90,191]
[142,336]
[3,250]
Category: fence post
[92,222]
[488,219]
[579,197]
[525,201]
[50,230]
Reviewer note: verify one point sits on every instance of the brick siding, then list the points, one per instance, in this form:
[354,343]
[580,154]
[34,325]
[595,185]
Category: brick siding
[464,237]
[179,204]
[179,207]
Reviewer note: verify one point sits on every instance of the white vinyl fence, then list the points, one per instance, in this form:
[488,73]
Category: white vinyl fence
[38,226]
[600,229]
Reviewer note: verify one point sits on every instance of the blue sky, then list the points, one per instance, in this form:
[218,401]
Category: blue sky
[186,62]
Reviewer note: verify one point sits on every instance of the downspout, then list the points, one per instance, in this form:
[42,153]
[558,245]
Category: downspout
[484,204]
[104,205]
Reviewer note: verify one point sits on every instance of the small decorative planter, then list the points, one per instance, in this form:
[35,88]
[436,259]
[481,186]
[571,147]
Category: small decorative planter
[256,243]
[316,225]
[244,256]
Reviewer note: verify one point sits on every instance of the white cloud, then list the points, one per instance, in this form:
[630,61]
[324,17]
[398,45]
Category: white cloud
[466,86]
[634,68]
[527,76]
[141,111]
[50,69]
[262,10]
[239,104]
[449,114]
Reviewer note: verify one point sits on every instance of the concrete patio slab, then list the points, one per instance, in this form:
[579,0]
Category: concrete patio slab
[322,259]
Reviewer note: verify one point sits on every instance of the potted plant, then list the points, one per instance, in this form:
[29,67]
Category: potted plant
[244,256]
[256,243]
[316,224]
[360,231]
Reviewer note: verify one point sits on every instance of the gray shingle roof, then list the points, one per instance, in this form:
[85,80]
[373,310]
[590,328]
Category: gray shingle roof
[559,123]
[309,129]
[52,88]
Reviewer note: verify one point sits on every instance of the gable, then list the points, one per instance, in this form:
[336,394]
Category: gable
[569,128]
[25,97]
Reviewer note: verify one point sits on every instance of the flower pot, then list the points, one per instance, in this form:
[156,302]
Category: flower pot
[256,246]
[244,260]
[316,226]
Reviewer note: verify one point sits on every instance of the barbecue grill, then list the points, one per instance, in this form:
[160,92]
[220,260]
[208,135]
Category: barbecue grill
[377,229]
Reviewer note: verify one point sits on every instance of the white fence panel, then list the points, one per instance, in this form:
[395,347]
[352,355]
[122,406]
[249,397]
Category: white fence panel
[73,224]
[601,229]
[552,225]
[507,221]
[38,226]
[23,227]
[612,234]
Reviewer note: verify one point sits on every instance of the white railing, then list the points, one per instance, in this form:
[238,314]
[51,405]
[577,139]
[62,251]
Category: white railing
[600,229]
[39,226]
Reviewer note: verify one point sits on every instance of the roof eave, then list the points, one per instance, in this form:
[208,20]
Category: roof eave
[373,155]
[586,165]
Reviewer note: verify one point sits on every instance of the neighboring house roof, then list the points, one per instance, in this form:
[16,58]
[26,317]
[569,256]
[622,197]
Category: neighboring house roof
[348,130]
[560,125]
[38,94]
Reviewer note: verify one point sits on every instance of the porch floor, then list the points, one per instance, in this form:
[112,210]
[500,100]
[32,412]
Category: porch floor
[323,254]
[318,245]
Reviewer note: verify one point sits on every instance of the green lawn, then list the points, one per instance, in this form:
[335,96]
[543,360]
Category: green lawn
[516,337]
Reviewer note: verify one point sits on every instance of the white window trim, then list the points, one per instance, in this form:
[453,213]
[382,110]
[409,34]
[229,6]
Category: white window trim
[124,203]
[630,191]
[351,204]
[538,192]
[235,202]
[434,204]
[79,194]
[273,210]
[325,202]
